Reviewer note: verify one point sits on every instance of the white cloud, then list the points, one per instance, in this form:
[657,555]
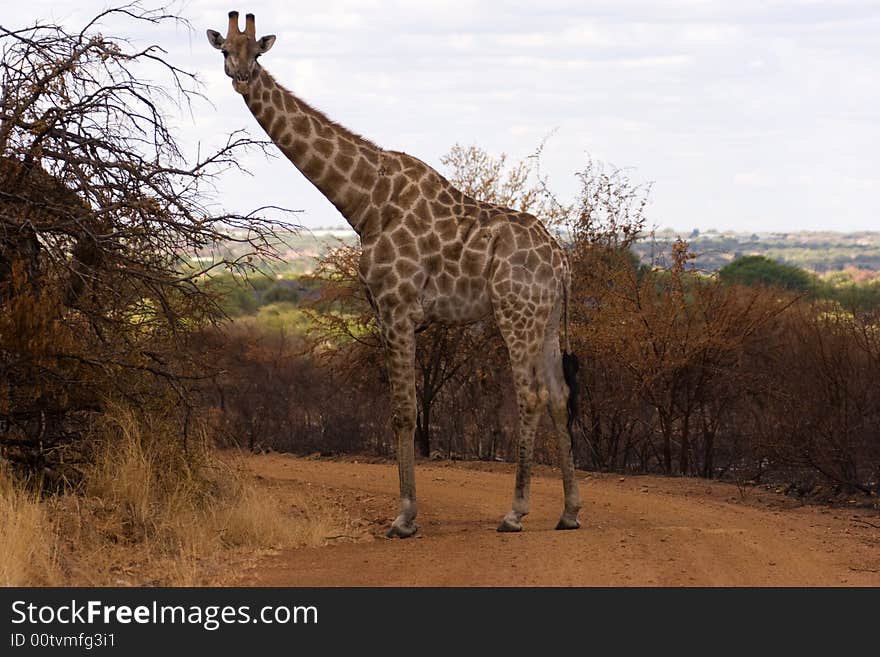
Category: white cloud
[754,178]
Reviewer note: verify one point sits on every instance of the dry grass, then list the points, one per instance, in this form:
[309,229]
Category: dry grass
[28,543]
[251,519]
[151,513]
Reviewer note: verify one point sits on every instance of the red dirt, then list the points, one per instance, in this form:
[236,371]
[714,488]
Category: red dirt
[637,531]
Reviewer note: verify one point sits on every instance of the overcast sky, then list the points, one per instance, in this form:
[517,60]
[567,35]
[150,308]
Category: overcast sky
[746,115]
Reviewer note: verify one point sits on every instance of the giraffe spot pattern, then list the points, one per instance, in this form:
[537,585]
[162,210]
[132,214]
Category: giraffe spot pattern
[302,126]
[344,162]
[382,191]
[363,175]
[324,147]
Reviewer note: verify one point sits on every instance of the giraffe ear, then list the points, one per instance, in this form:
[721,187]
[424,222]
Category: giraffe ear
[266,43]
[215,39]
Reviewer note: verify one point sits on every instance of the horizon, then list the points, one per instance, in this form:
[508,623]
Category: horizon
[344,227]
[660,89]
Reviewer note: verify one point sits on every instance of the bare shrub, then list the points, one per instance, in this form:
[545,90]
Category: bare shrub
[491,178]
[99,211]
[819,411]
[285,392]
[665,351]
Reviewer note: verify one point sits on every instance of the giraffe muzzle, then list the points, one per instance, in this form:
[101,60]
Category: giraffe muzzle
[241,83]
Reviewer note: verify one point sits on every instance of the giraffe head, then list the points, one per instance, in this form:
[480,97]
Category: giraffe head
[240,50]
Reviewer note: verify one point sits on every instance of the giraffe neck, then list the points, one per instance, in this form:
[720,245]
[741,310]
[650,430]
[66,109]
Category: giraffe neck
[342,165]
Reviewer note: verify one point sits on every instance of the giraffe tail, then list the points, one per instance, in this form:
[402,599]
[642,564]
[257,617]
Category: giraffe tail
[570,362]
[570,367]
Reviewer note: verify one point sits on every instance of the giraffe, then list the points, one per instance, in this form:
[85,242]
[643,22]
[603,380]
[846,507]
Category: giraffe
[430,254]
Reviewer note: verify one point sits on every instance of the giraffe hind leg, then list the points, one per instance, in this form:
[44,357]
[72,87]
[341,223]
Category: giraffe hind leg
[531,398]
[559,414]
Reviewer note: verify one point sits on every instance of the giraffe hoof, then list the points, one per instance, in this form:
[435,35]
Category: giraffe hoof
[568,523]
[402,531]
[510,525]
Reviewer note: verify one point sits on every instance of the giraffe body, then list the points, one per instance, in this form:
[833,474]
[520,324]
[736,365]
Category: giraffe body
[429,254]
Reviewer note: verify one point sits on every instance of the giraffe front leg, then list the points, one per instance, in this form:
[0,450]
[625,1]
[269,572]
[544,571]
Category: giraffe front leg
[401,363]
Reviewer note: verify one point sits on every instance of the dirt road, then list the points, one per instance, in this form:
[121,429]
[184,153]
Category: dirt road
[637,531]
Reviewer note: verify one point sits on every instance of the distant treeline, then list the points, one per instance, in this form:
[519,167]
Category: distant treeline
[240,297]
[857,254]
[821,252]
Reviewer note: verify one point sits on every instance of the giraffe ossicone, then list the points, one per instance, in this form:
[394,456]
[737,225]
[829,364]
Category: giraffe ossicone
[430,254]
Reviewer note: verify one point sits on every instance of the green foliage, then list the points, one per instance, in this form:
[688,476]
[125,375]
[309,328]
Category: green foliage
[839,287]
[234,295]
[848,293]
[280,293]
[239,296]
[284,317]
[760,270]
